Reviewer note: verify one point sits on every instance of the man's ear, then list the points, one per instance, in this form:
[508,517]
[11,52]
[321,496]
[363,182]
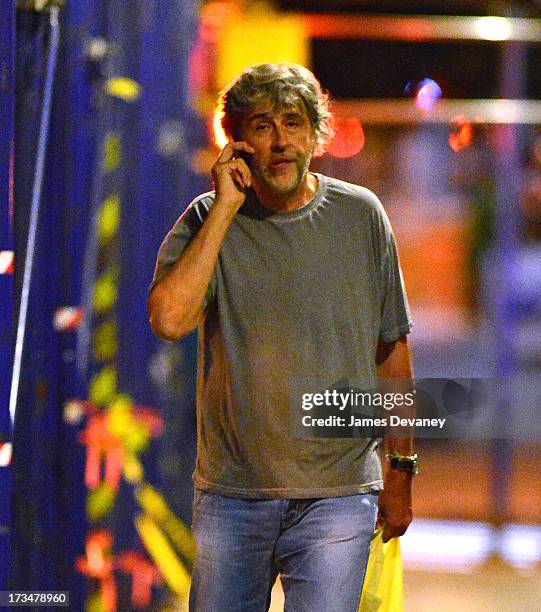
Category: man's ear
[318,150]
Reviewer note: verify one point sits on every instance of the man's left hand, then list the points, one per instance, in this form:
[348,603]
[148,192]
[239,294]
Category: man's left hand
[395,504]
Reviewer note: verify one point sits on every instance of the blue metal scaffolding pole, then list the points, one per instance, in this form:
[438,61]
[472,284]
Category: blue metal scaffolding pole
[7,130]
[48,490]
[507,247]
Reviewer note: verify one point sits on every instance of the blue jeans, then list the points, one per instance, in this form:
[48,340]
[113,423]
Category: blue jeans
[318,546]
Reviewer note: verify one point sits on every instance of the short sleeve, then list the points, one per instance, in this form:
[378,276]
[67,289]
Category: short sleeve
[178,238]
[395,312]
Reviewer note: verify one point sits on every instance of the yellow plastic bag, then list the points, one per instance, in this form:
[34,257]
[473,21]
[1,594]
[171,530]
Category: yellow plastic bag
[383,589]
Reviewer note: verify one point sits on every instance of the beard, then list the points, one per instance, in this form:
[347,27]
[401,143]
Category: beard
[282,182]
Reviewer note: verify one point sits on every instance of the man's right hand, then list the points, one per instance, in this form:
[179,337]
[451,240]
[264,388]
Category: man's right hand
[231,175]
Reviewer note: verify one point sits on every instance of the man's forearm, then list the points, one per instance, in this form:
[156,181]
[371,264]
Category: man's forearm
[175,303]
[393,361]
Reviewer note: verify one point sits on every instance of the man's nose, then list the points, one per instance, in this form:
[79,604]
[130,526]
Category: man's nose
[279,138]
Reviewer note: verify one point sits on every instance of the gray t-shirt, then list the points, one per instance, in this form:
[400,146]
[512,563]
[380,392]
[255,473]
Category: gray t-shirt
[301,294]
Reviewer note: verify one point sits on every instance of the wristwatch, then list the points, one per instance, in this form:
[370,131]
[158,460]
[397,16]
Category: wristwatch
[404,463]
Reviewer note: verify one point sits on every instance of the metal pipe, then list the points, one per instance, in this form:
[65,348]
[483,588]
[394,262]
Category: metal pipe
[405,111]
[507,248]
[422,28]
[35,207]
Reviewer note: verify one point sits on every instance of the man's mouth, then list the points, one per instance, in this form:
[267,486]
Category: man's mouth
[279,164]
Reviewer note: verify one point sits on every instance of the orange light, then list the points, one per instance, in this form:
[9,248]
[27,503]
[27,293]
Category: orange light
[97,547]
[220,137]
[348,137]
[100,443]
[114,459]
[462,137]
[214,17]
[97,562]
[144,575]
[108,597]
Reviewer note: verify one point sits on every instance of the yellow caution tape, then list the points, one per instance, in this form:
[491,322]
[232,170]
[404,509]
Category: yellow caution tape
[122,423]
[93,603]
[99,502]
[124,88]
[105,291]
[156,507]
[105,341]
[109,218]
[133,470]
[112,153]
[103,386]
[157,546]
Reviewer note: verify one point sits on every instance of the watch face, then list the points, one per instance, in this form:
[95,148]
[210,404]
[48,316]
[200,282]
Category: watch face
[405,464]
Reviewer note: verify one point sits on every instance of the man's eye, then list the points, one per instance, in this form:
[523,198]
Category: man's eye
[262,127]
[293,123]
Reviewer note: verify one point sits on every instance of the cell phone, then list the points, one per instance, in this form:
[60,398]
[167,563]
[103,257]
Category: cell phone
[247,157]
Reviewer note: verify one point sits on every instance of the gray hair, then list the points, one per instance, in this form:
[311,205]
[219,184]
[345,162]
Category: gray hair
[281,84]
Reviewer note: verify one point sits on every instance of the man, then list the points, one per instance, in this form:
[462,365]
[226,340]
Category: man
[288,275]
